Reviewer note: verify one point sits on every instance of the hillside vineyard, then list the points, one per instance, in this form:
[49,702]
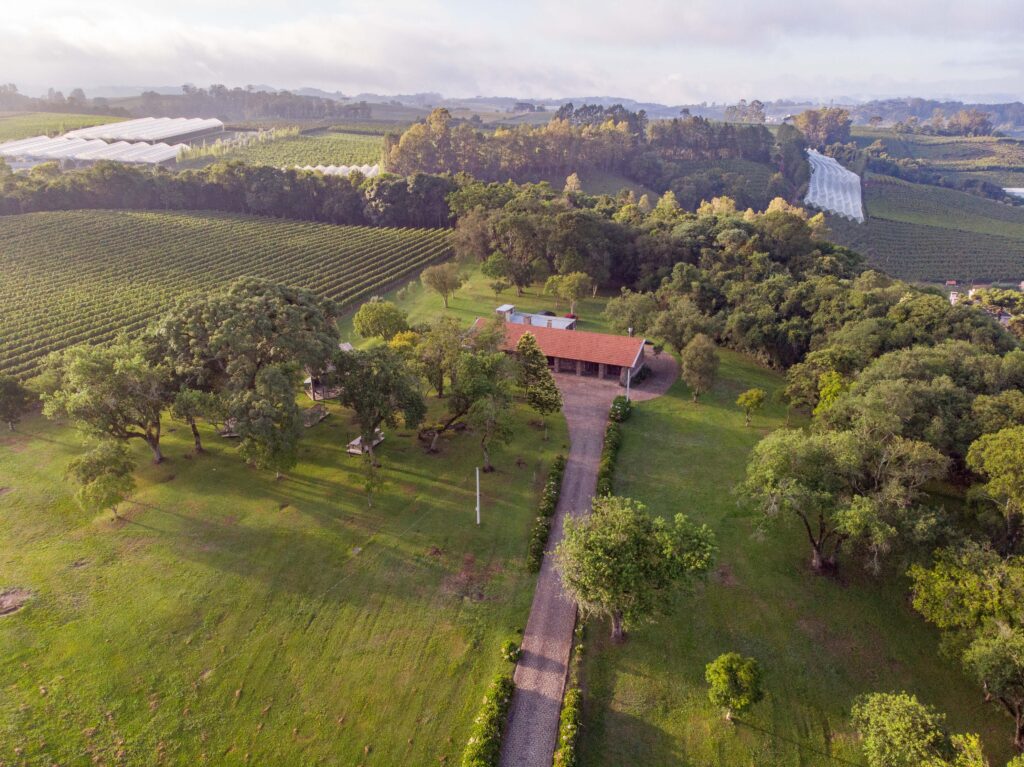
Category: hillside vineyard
[87,276]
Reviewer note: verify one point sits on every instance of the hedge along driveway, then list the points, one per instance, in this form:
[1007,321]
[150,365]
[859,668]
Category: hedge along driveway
[541,673]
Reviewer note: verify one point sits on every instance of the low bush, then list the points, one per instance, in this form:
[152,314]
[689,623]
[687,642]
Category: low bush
[545,511]
[621,410]
[511,651]
[606,468]
[484,745]
[570,719]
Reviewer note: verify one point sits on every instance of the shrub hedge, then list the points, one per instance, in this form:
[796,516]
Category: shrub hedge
[606,469]
[484,745]
[545,511]
[570,719]
[621,410]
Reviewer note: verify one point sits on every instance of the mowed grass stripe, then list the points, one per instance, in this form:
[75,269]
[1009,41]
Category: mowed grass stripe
[85,275]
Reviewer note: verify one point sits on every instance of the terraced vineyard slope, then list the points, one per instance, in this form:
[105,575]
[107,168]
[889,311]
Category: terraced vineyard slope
[932,234]
[87,275]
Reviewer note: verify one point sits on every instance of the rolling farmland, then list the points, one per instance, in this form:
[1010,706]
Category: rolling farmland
[28,124]
[87,275]
[931,234]
[987,158]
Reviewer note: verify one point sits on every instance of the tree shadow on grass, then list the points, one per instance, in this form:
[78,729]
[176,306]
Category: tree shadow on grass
[300,561]
[623,739]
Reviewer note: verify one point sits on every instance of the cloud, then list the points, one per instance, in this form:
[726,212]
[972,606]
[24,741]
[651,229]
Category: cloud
[648,49]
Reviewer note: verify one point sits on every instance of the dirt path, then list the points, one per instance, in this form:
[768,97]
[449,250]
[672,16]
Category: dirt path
[540,675]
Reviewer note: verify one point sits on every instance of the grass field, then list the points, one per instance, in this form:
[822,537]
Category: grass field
[928,233]
[821,642]
[327,148]
[28,124]
[239,620]
[86,275]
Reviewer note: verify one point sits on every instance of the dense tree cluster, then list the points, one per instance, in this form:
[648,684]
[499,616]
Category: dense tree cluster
[233,187]
[591,138]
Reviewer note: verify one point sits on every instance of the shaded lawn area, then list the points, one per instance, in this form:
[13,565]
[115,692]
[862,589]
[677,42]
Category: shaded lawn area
[476,299]
[821,642]
[235,619]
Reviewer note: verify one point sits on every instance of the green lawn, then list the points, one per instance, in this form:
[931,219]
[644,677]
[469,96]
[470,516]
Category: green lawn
[235,619]
[29,124]
[821,641]
[476,299]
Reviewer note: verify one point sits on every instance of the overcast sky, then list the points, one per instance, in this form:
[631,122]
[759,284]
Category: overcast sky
[671,51]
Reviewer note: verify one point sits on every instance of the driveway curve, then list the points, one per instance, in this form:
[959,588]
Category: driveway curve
[532,728]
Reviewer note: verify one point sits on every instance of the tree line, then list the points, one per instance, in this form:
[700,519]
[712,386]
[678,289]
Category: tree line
[234,360]
[233,187]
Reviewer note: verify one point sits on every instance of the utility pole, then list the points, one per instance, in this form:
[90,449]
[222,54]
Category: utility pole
[629,377]
[478,495]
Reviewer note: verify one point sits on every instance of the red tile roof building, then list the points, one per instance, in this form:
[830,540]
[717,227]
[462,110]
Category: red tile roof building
[579,351]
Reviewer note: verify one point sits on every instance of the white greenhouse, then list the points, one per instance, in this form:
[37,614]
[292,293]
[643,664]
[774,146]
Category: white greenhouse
[151,129]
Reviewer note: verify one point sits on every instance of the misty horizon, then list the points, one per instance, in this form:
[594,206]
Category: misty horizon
[652,52]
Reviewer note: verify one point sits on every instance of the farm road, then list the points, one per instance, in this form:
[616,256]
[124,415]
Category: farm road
[540,675]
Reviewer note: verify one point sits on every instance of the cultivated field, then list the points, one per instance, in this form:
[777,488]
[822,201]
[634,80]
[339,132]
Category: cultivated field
[28,124]
[329,148]
[88,275]
[928,233]
[820,641]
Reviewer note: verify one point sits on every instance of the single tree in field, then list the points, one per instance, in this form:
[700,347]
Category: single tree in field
[437,352]
[534,377]
[110,391]
[190,405]
[15,399]
[380,319]
[103,475]
[735,683]
[899,731]
[621,562]
[681,322]
[491,418]
[569,287]
[443,279]
[842,486]
[379,386]
[699,364]
[751,401]
[631,312]
[490,413]
[221,341]
[477,375]
[268,420]
[1000,458]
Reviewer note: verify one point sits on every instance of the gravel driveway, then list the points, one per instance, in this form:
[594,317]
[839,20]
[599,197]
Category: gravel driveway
[532,728]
